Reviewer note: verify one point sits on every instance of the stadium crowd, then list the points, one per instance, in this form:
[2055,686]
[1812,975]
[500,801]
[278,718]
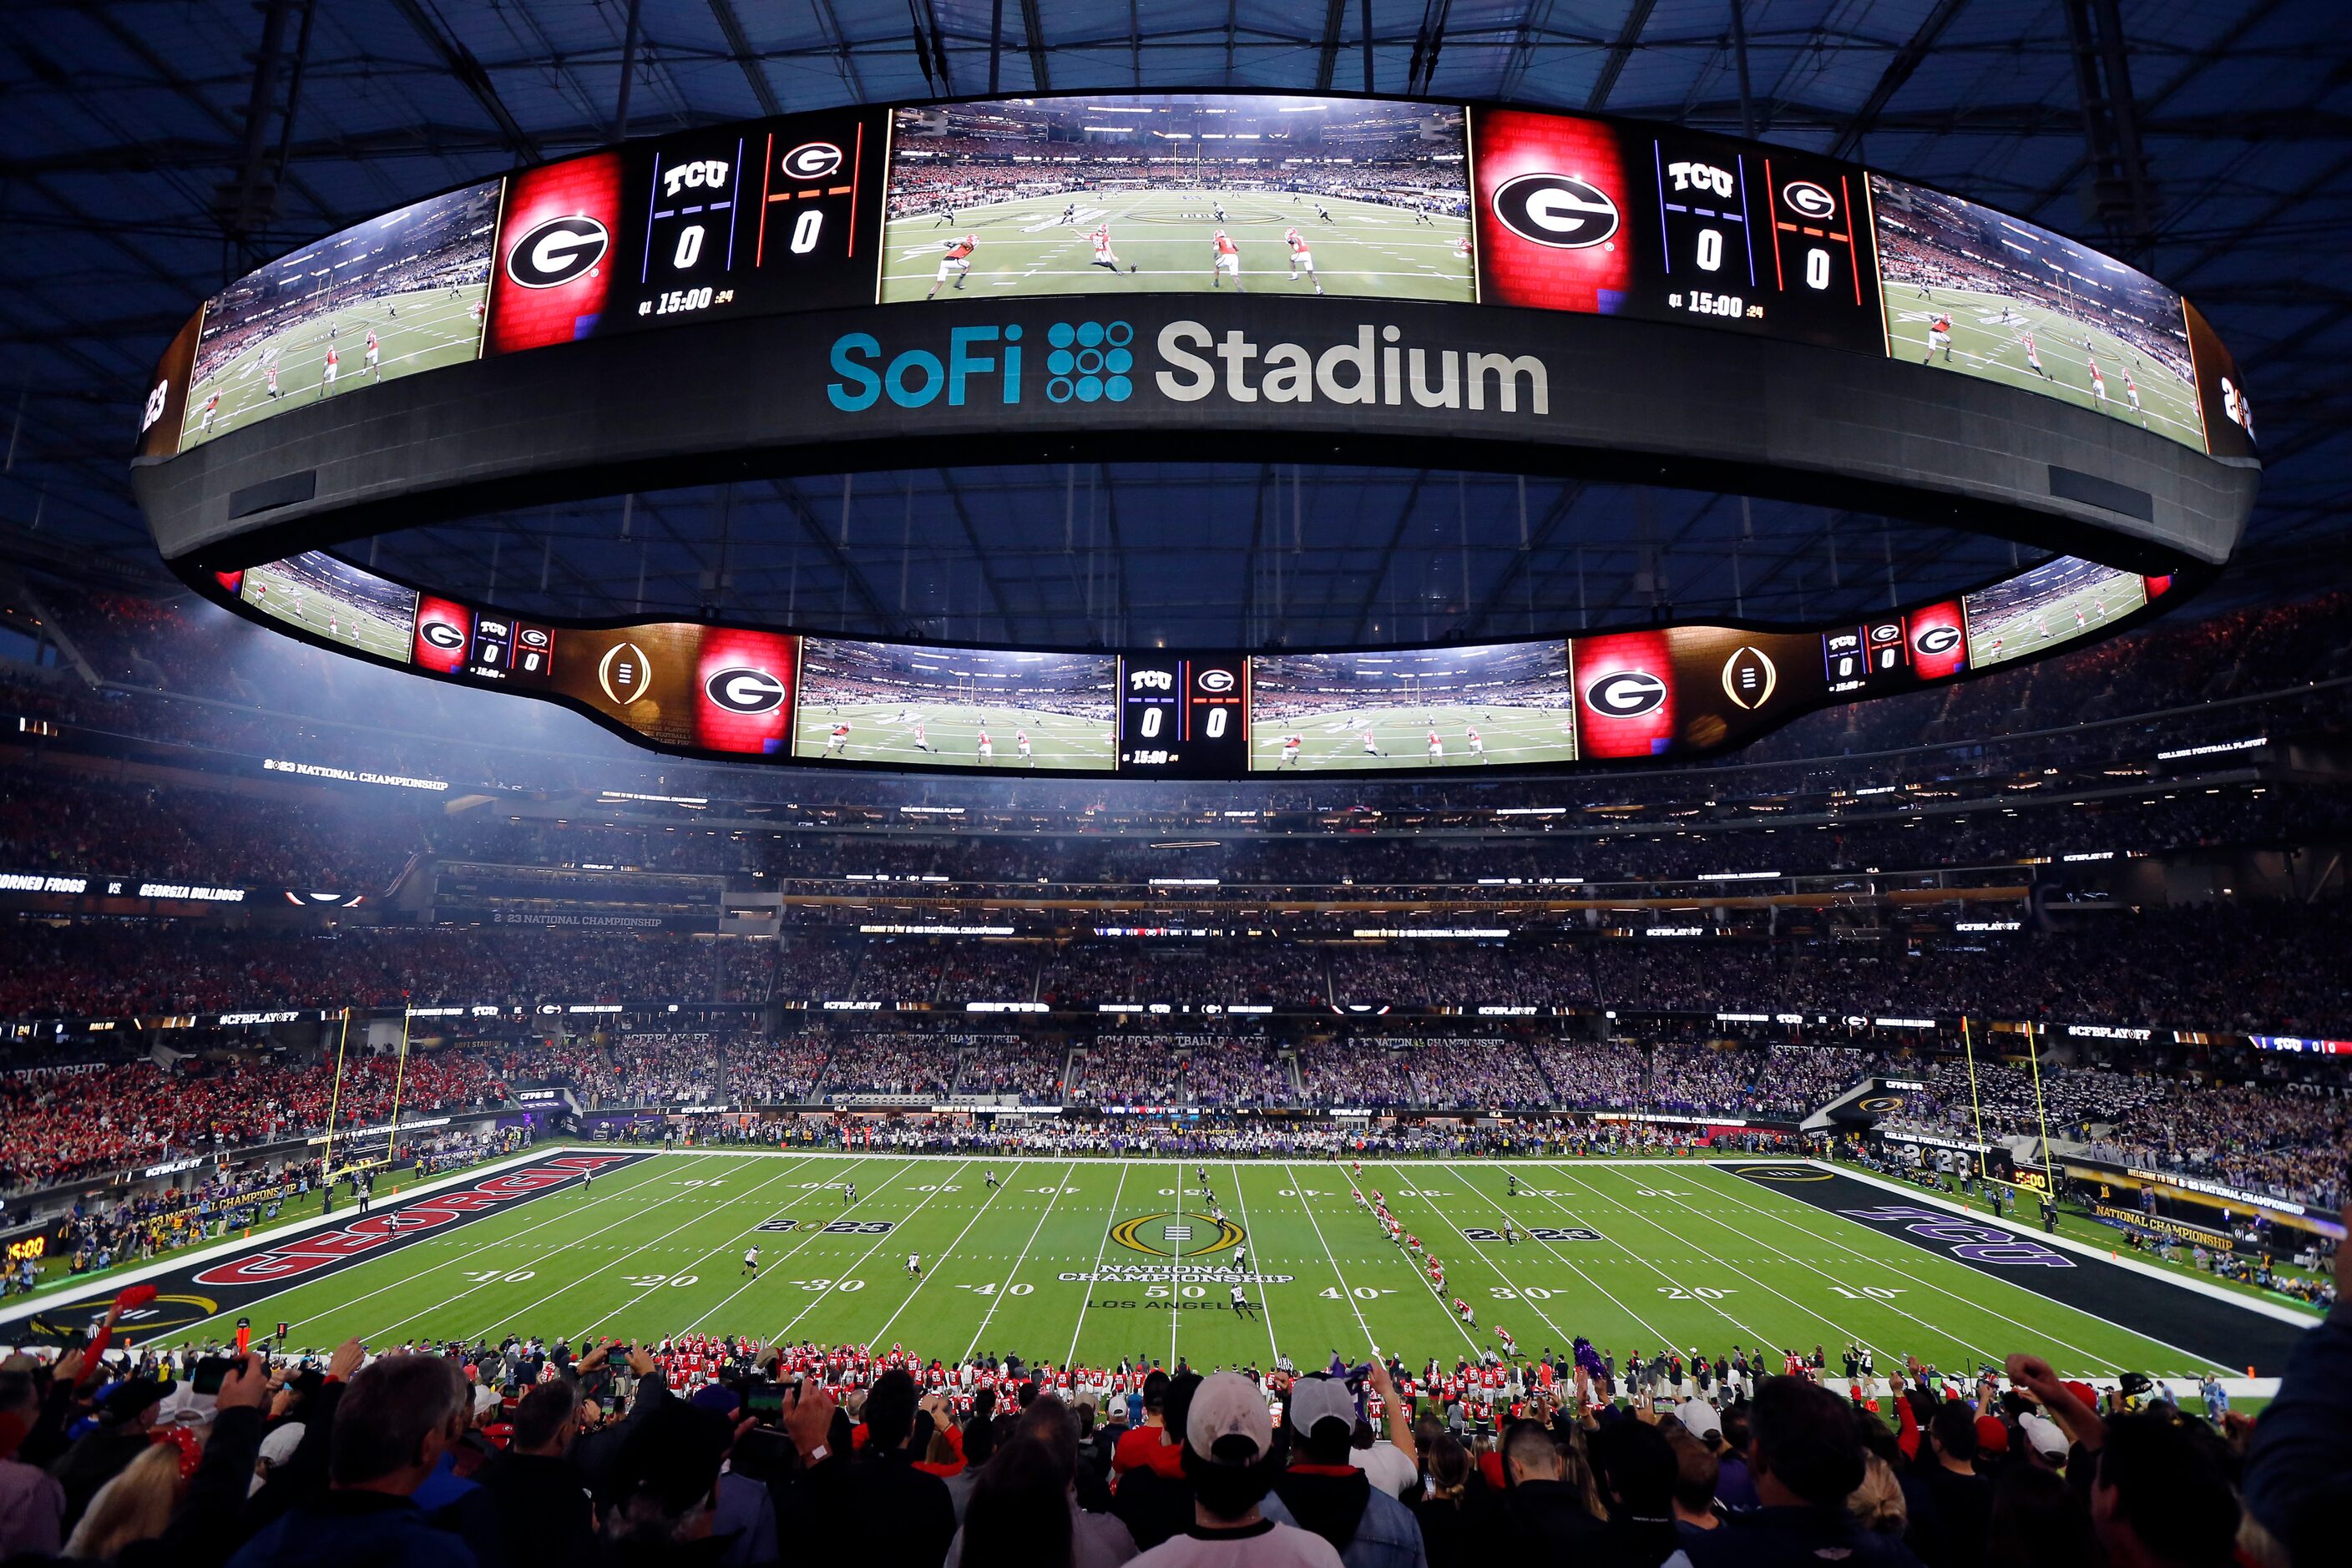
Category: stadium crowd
[711,1447]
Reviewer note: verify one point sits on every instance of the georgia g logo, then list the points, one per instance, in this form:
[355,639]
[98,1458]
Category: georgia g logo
[1807,199]
[1558,210]
[442,636]
[1626,694]
[1216,680]
[745,690]
[557,252]
[1937,639]
[811,161]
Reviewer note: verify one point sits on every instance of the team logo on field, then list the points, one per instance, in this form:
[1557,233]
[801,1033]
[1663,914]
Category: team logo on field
[1558,210]
[1937,639]
[158,1316]
[743,690]
[1177,1235]
[1626,694]
[557,252]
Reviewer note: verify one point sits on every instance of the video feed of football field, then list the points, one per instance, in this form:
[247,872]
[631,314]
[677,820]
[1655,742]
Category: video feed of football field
[418,278]
[934,707]
[2056,601]
[336,601]
[1504,703]
[1126,194]
[2015,293]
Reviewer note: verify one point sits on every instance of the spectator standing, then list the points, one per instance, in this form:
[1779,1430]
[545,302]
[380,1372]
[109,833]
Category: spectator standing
[1230,1460]
[1324,1491]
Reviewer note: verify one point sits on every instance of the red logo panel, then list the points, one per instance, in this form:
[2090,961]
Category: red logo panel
[1625,695]
[552,271]
[443,627]
[1939,643]
[1547,236]
[743,692]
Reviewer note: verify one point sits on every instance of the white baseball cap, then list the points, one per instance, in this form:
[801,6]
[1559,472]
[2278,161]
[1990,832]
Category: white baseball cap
[1228,1405]
[2042,1436]
[1321,1398]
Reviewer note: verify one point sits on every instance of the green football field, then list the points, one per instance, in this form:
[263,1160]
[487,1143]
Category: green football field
[1336,739]
[2029,631]
[878,735]
[431,328]
[1366,249]
[1088,1260]
[1988,341]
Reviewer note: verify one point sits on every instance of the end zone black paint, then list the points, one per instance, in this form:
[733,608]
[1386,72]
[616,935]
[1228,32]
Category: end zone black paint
[2228,1335]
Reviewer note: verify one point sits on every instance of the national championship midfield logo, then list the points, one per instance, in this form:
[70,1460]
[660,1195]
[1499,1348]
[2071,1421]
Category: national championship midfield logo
[1185,1236]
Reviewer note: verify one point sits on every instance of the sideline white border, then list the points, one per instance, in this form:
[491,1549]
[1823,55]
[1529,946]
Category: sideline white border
[2115,1256]
[260,1239]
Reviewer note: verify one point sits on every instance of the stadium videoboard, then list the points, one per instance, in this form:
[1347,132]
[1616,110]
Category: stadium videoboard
[1171,193]
[1610,218]
[760,219]
[2055,603]
[906,705]
[1110,195]
[335,602]
[395,296]
[1974,291]
[1446,707]
[1658,693]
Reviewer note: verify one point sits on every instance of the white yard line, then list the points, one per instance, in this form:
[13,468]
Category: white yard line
[1848,1334]
[576,1282]
[1264,1297]
[1509,1283]
[709,1254]
[1942,1291]
[945,1253]
[630,1216]
[1101,1252]
[1346,1291]
[1060,1187]
[775,1268]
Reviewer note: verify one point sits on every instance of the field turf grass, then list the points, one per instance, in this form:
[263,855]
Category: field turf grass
[1997,641]
[1985,344]
[1366,250]
[436,327]
[1336,739]
[1689,1254]
[876,735]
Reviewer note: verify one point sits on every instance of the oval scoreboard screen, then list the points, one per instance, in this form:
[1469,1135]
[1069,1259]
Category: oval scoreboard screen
[1157,275]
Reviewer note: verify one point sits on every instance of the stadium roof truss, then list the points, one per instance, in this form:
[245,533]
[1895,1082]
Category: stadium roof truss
[158,147]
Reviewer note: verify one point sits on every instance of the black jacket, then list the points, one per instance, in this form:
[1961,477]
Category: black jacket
[836,1512]
[544,1515]
[1535,1521]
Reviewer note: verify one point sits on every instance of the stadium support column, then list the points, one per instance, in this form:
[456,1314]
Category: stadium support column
[334,1104]
[2041,1118]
